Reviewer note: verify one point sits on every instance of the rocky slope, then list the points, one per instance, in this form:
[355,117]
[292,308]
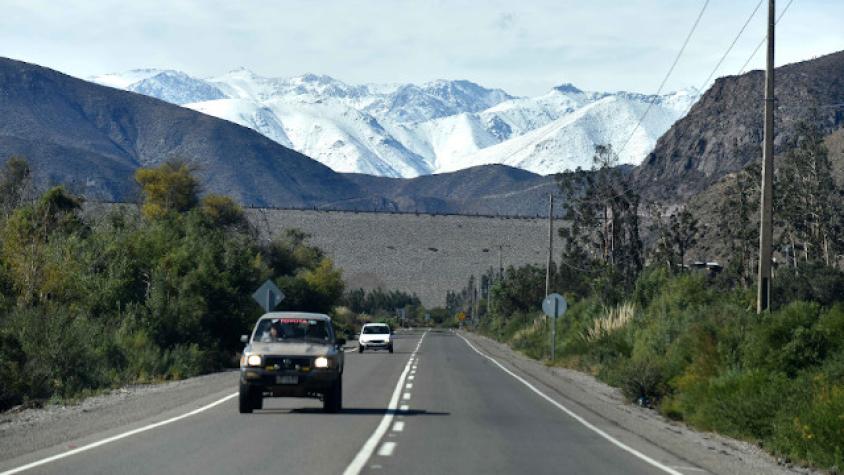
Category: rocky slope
[723,131]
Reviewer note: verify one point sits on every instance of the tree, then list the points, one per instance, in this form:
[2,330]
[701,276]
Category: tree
[224,212]
[603,237]
[738,223]
[808,205]
[169,188]
[15,178]
[675,236]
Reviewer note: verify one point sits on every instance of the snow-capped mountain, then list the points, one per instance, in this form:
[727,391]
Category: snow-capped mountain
[407,130]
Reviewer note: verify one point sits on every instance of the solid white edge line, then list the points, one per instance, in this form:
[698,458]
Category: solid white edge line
[369,446]
[123,435]
[576,417]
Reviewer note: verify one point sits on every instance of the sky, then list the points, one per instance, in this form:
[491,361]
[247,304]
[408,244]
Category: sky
[522,46]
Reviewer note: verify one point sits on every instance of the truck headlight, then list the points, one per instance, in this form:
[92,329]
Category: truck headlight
[321,362]
[253,360]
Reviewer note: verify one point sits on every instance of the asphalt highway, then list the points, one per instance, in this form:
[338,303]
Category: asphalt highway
[436,405]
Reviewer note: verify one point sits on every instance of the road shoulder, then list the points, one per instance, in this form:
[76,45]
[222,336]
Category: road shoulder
[604,405]
[31,430]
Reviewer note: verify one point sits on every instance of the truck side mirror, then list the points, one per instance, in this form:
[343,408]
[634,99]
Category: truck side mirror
[244,338]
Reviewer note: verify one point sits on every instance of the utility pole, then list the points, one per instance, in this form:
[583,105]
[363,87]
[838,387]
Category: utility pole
[488,294]
[550,244]
[500,264]
[763,300]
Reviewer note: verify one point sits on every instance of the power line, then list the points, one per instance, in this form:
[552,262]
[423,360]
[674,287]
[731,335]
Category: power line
[551,130]
[726,53]
[627,189]
[730,48]
[759,46]
[667,76]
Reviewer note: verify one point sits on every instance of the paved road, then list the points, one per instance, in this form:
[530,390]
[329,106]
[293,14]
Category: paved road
[434,406]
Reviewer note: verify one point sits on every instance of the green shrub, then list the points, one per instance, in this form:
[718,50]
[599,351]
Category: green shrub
[788,340]
[815,433]
[641,381]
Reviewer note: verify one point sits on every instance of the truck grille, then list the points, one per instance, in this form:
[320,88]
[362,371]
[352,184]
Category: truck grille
[286,362]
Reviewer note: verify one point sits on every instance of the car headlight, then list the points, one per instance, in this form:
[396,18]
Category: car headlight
[253,360]
[321,362]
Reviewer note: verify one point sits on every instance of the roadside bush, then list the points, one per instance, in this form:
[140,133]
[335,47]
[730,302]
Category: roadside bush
[740,403]
[816,433]
[814,282]
[789,340]
[641,381]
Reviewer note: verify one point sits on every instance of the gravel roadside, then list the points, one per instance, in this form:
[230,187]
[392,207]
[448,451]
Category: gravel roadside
[595,400]
[30,430]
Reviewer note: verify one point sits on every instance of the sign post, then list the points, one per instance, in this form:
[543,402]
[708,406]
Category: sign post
[554,306]
[268,296]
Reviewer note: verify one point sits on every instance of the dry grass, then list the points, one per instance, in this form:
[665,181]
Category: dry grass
[611,321]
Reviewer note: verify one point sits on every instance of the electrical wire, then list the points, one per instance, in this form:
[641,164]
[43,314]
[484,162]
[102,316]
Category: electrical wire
[759,46]
[733,44]
[551,130]
[667,76]
[720,62]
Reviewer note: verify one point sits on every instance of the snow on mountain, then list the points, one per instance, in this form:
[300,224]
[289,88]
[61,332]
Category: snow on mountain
[568,142]
[125,79]
[406,130]
[248,114]
[410,104]
[176,87]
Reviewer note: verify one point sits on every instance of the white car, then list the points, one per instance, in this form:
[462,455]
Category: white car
[375,336]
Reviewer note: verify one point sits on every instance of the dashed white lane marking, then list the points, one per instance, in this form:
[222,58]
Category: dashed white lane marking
[398,426]
[406,396]
[369,446]
[574,416]
[123,435]
[411,377]
[387,449]
[694,469]
[404,408]
[408,386]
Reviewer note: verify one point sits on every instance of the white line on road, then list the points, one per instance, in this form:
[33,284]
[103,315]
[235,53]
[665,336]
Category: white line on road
[404,408]
[123,435]
[387,449]
[411,377]
[398,426]
[408,386]
[579,419]
[369,446]
[406,396]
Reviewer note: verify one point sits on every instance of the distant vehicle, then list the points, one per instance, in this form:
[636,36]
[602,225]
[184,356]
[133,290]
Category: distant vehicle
[292,354]
[375,336]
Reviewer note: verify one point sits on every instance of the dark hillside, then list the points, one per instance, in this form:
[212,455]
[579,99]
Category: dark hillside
[73,131]
[488,189]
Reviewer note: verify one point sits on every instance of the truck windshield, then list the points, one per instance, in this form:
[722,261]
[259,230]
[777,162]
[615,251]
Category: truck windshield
[273,330]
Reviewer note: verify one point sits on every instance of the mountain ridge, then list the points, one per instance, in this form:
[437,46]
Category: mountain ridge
[408,130]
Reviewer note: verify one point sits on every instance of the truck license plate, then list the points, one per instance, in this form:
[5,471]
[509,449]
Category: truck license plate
[287,379]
